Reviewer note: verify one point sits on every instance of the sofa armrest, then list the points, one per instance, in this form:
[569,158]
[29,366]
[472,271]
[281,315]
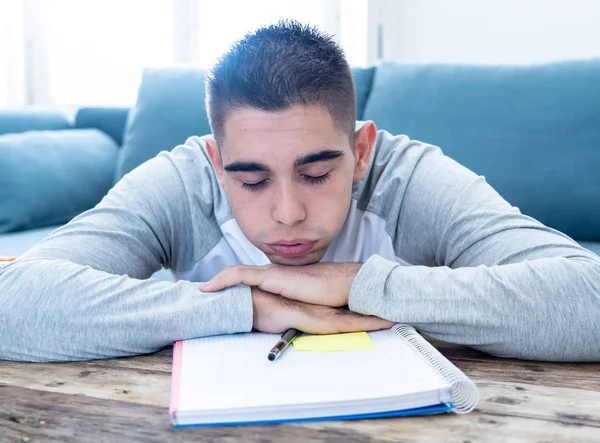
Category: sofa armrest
[111,121]
[17,121]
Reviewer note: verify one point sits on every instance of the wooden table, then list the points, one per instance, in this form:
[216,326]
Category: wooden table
[127,400]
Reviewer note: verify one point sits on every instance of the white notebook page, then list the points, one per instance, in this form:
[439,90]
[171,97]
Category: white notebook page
[232,371]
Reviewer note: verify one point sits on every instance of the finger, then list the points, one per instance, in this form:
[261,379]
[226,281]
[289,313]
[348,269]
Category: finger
[324,320]
[347,321]
[273,313]
[233,276]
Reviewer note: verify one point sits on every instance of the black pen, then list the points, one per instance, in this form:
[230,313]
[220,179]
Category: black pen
[284,341]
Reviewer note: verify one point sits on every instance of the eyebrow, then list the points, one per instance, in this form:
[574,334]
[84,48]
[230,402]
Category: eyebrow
[318,157]
[243,166]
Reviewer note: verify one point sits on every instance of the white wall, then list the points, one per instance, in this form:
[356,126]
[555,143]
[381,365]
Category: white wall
[489,31]
[12,78]
[358,30]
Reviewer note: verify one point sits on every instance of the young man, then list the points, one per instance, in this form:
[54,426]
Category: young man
[326,213]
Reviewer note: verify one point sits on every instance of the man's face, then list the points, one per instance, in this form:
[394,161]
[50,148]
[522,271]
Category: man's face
[289,178]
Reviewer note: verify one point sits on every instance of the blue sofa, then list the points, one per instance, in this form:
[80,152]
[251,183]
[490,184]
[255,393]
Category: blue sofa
[533,132]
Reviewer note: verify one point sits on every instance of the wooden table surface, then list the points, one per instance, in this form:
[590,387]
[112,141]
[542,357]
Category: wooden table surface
[127,400]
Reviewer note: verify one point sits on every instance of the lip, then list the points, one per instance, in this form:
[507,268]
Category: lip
[292,248]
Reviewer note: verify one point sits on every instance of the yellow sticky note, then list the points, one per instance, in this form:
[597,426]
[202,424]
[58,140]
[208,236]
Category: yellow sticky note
[352,341]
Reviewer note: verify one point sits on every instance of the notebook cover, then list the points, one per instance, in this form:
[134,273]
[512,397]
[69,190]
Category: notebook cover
[175,379]
[434,409]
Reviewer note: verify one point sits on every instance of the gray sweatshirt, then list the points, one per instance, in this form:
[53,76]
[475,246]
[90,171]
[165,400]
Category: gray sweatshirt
[442,251]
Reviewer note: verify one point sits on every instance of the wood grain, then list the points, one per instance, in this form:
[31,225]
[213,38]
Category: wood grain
[130,380]
[30,416]
[127,399]
[480,365]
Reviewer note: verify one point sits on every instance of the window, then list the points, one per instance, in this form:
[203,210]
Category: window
[225,21]
[71,53]
[12,83]
[96,50]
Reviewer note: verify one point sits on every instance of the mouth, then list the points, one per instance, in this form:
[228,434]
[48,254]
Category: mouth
[292,248]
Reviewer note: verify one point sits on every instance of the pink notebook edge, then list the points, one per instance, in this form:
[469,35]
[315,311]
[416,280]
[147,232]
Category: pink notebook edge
[176,379]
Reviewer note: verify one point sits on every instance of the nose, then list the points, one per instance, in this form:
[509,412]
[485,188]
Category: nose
[288,209]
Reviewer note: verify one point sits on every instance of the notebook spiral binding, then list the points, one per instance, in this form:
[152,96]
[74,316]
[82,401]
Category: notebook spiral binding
[464,392]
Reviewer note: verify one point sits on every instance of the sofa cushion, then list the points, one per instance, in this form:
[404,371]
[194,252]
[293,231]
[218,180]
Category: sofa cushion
[48,177]
[16,121]
[533,132]
[592,246]
[109,120]
[363,78]
[170,108]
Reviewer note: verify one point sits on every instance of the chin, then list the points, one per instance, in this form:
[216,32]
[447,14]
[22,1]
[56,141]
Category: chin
[308,259]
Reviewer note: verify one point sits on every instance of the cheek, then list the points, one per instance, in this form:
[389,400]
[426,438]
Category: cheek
[248,209]
[330,203]
[243,202]
[326,206]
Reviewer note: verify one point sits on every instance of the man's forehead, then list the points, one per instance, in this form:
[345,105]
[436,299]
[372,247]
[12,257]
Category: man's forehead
[310,124]
[293,137]
[294,117]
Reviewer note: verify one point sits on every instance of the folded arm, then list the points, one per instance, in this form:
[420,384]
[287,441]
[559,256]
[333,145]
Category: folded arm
[485,275]
[83,292]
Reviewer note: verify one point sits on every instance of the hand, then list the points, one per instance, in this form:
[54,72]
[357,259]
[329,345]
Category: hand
[276,314]
[326,284]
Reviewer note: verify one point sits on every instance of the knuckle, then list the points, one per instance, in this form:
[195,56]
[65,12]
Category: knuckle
[271,270]
[227,271]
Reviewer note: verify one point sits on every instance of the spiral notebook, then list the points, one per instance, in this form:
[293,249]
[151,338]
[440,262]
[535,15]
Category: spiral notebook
[228,380]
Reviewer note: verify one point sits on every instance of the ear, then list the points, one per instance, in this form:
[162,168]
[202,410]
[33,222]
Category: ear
[364,140]
[216,160]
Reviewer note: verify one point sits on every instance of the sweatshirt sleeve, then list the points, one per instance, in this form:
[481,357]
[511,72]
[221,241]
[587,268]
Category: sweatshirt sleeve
[84,293]
[482,274]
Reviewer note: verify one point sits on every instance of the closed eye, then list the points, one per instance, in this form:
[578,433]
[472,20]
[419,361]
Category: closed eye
[255,186]
[258,186]
[317,180]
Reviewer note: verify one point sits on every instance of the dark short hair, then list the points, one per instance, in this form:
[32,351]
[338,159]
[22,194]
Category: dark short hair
[277,67]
